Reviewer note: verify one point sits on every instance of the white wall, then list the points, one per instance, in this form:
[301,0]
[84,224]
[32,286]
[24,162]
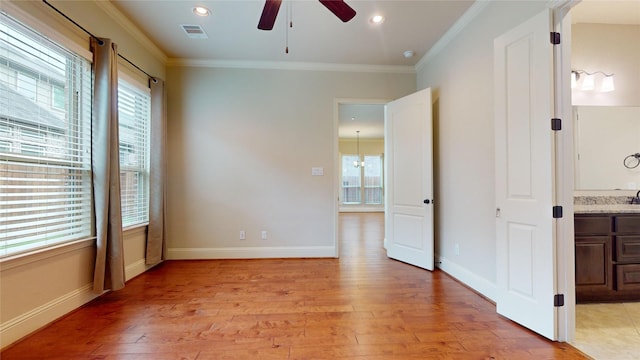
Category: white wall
[461,76]
[605,136]
[38,288]
[612,49]
[242,143]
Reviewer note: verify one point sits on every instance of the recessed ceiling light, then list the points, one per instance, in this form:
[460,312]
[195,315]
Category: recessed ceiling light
[377,19]
[408,54]
[201,11]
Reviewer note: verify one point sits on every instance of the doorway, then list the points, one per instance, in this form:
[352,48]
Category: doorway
[361,156]
[351,115]
[406,185]
[604,330]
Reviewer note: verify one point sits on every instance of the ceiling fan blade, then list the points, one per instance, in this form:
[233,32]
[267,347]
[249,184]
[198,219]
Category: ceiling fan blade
[269,14]
[340,9]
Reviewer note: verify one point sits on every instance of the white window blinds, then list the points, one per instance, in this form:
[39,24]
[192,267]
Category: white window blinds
[351,179]
[134,114]
[45,142]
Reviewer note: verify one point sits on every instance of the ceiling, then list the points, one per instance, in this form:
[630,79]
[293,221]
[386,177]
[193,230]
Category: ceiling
[366,118]
[626,12]
[317,36]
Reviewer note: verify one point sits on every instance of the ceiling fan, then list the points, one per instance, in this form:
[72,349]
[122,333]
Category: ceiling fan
[338,7]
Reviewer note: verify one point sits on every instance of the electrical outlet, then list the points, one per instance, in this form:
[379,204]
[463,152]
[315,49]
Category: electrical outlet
[264,234]
[243,235]
[457,249]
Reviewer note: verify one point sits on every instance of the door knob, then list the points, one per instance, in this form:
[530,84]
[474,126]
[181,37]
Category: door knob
[427,201]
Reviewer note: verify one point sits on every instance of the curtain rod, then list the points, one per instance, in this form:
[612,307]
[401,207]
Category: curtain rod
[97,38]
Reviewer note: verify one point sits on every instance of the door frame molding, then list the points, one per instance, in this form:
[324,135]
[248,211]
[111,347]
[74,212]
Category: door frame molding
[336,159]
[564,187]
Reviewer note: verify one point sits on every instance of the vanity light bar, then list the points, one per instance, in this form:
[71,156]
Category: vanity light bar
[588,81]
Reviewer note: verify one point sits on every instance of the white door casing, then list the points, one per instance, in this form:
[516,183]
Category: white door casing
[409,180]
[525,227]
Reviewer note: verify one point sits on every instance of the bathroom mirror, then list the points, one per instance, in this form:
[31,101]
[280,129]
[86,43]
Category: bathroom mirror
[604,137]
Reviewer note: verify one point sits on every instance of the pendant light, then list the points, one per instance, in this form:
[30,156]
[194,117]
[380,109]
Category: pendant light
[358,163]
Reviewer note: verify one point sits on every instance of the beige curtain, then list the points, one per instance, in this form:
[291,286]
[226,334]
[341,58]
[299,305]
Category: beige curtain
[157,170]
[109,267]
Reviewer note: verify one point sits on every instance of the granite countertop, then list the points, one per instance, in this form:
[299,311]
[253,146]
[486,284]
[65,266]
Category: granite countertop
[604,204]
[608,208]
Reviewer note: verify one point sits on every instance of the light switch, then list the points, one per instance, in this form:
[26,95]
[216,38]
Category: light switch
[317,171]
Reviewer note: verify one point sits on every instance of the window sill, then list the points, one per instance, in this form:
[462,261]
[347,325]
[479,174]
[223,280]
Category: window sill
[25,258]
[41,254]
[142,226]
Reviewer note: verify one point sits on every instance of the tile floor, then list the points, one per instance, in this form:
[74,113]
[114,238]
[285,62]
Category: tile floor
[608,331]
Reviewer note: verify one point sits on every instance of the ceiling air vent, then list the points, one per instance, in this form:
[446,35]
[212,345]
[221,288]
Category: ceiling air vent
[194,31]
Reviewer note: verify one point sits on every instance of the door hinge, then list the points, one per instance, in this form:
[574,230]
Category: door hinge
[556,124]
[555,38]
[558,300]
[557,212]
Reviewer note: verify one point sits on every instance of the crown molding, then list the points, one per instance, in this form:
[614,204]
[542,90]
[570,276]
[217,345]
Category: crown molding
[290,65]
[131,28]
[472,12]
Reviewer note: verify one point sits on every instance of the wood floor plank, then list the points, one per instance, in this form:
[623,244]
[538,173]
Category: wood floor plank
[362,306]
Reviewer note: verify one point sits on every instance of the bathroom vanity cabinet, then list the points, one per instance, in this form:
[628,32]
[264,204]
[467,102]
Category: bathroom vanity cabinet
[607,256]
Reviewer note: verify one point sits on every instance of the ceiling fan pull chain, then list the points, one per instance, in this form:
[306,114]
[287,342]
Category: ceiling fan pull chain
[291,14]
[286,49]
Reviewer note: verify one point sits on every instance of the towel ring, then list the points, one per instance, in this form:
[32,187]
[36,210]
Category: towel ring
[632,161]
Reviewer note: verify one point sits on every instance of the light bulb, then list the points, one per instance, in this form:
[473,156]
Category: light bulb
[588,83]
[201,11]
[607,84]
[377,19]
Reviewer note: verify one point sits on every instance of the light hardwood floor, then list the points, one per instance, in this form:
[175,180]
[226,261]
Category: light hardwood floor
[361,306]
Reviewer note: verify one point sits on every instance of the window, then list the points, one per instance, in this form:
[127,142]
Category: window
[134,115]
[362,184]
[26,86]
[45,164]
[373,190]
[58,97]
[350,180]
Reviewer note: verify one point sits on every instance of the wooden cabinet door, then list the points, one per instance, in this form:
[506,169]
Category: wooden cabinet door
[594,270]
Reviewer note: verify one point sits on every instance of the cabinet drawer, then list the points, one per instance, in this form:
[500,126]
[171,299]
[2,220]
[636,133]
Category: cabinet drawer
[585,225]
[627,224]
[628,249]
[628,277]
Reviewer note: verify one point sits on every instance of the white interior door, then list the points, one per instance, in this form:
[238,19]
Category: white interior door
[409,180]
[525,227]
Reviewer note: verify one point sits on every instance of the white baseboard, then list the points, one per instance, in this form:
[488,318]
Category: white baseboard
[251,253]
[360,209]
[134,269]
[19,327]
[477,283]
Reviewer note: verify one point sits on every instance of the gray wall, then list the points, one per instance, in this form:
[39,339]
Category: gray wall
[461,77]
[242,143]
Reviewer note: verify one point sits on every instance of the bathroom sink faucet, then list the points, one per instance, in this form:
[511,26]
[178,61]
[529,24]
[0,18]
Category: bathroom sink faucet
[636,200]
